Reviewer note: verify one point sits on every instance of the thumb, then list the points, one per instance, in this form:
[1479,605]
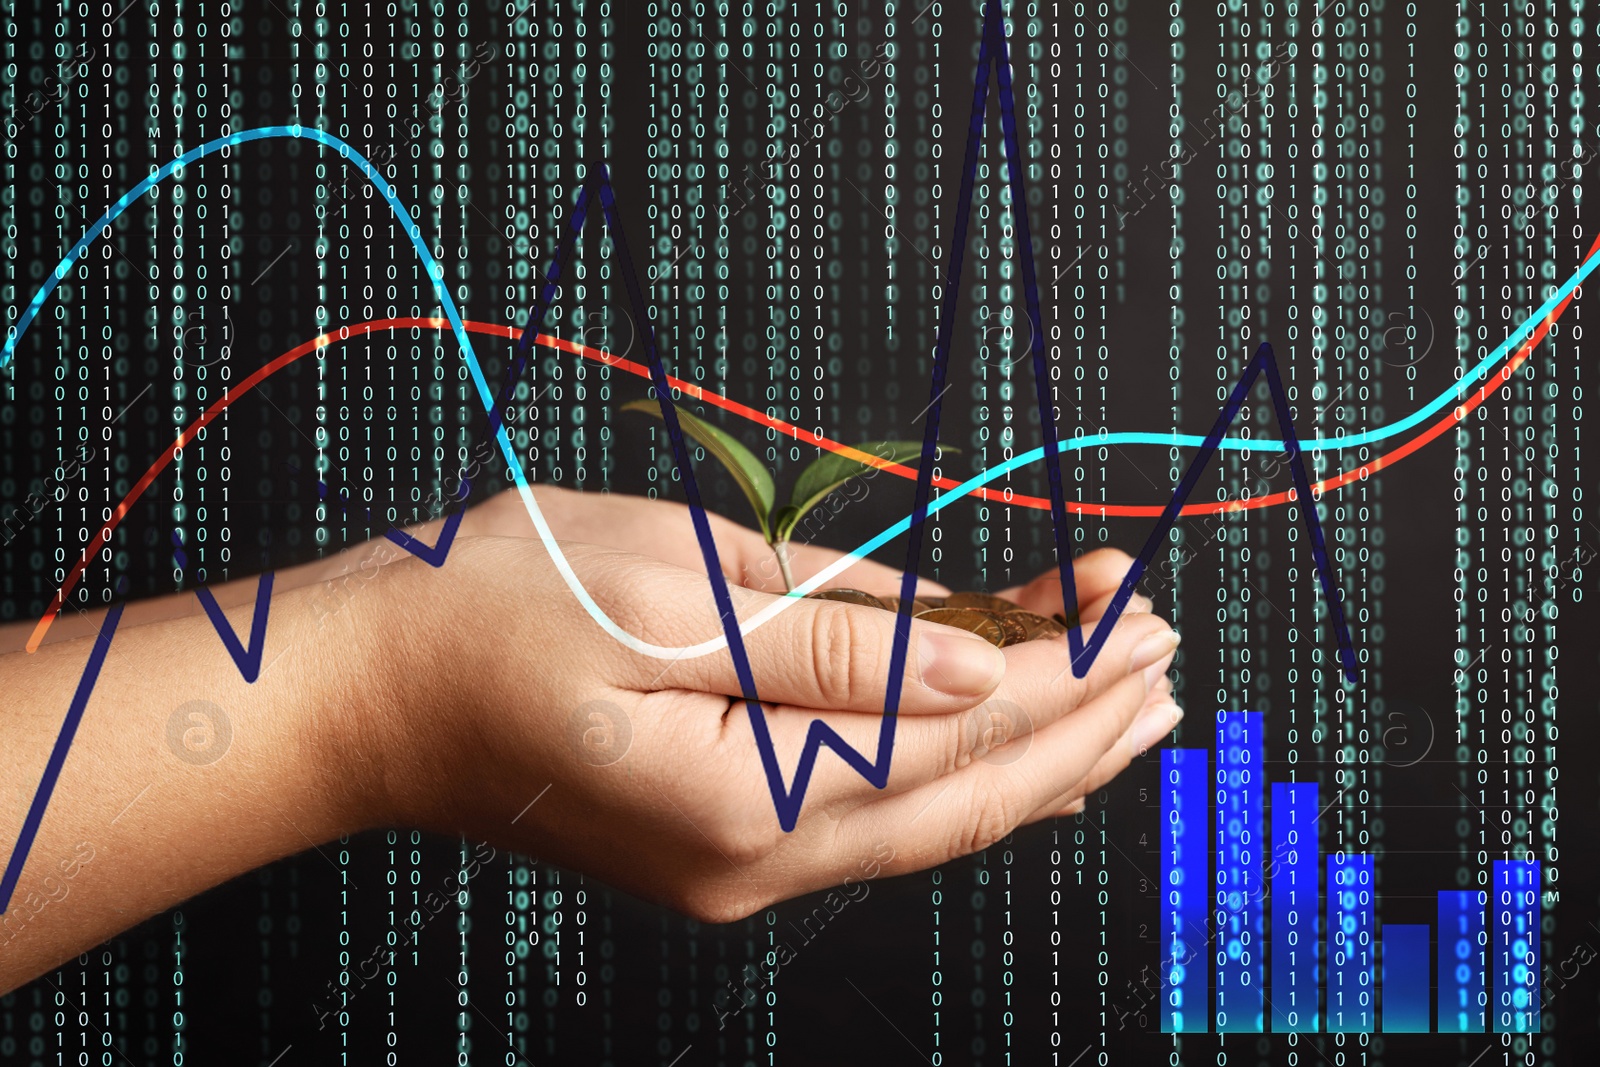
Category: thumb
[829,655]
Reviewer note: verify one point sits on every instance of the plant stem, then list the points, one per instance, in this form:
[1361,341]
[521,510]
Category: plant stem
[781,550]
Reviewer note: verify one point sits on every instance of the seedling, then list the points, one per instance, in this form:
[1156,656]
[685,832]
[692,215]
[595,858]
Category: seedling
[816,481]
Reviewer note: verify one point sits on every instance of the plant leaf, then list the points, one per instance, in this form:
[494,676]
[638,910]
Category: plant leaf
[748,472]
[833,470]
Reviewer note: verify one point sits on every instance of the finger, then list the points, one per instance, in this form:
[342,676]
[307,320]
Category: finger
[972,810]
[1094,575]
[1099,572]
[1037,691]
[1144,731]
[1162,690]
[1155,722]
[1095,578]
[835,656]
[1158,703]
[1094,610]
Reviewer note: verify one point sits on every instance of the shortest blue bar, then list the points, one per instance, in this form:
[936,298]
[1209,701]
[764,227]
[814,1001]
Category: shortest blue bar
[1405,978]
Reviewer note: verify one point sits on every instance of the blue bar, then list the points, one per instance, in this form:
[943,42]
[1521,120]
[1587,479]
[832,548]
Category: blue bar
[1240,936]
[1185,851]
[1351,924]
[1515,907]
[1405,978]
[1294,907]
[1463,1004]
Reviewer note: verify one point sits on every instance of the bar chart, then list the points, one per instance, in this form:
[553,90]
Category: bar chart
[1326,963]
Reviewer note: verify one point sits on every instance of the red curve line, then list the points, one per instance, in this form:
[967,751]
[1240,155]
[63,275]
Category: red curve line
[689,389]
[1395,455]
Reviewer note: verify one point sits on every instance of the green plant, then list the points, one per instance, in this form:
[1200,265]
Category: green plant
[816,481]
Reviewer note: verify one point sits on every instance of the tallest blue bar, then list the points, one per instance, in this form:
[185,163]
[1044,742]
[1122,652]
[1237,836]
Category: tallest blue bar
[1185,850]
[1240,950]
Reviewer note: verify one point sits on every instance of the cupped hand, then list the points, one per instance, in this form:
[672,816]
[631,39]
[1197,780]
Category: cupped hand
[505,712]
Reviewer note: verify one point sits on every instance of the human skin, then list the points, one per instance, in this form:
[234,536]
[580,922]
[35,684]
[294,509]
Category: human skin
[446,699]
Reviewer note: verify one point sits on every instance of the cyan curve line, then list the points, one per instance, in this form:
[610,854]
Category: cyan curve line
[436,277]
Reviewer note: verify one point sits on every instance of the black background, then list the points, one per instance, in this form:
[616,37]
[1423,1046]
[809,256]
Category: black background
[861,992]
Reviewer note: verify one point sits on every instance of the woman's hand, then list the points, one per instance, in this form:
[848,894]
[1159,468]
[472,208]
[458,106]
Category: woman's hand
[509,715]
[481,697]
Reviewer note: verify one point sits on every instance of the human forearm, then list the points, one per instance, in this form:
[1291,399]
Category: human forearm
[160,798]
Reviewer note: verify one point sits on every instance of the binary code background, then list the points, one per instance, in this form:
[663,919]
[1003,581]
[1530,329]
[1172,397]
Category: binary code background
[1391,188]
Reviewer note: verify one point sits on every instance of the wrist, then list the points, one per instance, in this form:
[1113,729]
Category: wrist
[404,649]
[360,701]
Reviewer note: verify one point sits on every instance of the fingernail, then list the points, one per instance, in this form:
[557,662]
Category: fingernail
[1152,650]
[1155,725]
[958,664]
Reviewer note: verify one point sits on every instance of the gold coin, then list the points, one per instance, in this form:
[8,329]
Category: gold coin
[846,596]
[1037,625]
[985,601]
[981,623]
[1016,630]
[892,603]
[931,601]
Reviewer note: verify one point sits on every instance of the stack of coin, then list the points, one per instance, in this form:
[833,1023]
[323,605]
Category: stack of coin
[918,606]
[995,619]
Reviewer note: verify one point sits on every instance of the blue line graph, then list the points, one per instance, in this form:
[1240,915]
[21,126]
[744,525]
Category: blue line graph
[434,555]
[788,799]
[247,659]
